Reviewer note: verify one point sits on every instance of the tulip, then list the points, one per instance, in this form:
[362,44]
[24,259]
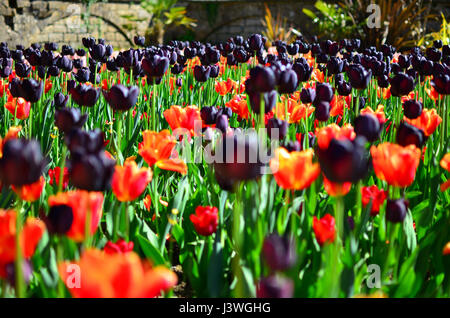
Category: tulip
[303,71]
[67,119]
[344,89]
[83,204]
[269,101]
[157,149]
[120,247]
[277,128]
[32,231]
[445,164]
[395,164]
[279,252]
[78,140]
[202,73]
[441,83]
[374,195]
[322,111]
[205,220]
[30,192]
[294,170]
[238,157]
[410,135]
[90,171]
[287,83]
[412,108]
[18,107]
[29,89]
[324,229]
[155,66]
[59,100]
[324,92]
[60,219]
[359,77]
[129,181]
[275,287]
[22,162]
[344,160]
[85,95]
[428,121]
[307,95]
[184,118]
[222,123]
[262,79]
[336,189]
[121,98]
[55,175]
[401,84]
[396,210]
[101,271]
[368,126]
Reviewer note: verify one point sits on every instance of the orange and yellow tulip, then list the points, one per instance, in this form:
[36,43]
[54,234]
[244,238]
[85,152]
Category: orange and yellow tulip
[129,181]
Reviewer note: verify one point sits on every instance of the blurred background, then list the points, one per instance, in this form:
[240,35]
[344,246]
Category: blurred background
[403,23]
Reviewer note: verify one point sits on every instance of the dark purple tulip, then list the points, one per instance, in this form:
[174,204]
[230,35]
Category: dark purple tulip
[404,61]
[396,210]
[307,95]
[446,50]
[42,72]
[270,99]
[85,95]
[225,111]
[383,81]
[54,71]
[112,66]
[410,135]
[433,54]
[441,84]
[65,64]
[367,125]
[51,46]
[344,160]
[287,83]
[241,55]
[292,49]
[412,108]
[202,73]
[22,162]
[231,60]
[78,140]
[358,76]
[293,146]
[59,100]
[277,128]
[121,98]
[262,79]
[81,52]
[322,111]
[344,89]
[437,44]
[275,287]
[67,50]
[88,42]
[29,89]
[139,40]
[401,84]
[27,272]
[67,119]
[222,123]
[324,92]
[177,69]
[91,171]
[279,252]
[82,75]
[238,157]
[303,71]
[78,63]
[22,70]
[208,114]
[155,66]
[17,55]
[59,220]
[47,58]
[214,73]
[334,65]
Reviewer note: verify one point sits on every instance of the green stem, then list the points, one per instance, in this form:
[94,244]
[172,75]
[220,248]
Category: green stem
[20,283]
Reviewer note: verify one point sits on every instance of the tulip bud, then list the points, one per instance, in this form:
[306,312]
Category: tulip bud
[121,98]
[208,114]
[279,252]
[67,119]
[322,111]
[307,95]
[277,128]
[84,95]
[410,135]
[412,108]
[401,84]
[367,125]
[396,210]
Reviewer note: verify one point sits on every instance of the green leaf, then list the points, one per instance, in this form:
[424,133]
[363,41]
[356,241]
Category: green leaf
[150,251]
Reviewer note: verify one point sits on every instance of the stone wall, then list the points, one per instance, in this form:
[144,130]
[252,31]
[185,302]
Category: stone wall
[28,21]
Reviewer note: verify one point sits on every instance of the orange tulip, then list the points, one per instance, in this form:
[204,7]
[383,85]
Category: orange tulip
[296,110]
[30,236]
[157,149]
[178,117]
[30,192]
[294,170]
[325,134]
[427,121]
[82,204]
[239,106]
[18,107]
[119,275]
[336,189]
[148,202]
[395,164]
[445,164]
[379,113]
[129,181]
[338,103]
[446,249]
[225,87]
